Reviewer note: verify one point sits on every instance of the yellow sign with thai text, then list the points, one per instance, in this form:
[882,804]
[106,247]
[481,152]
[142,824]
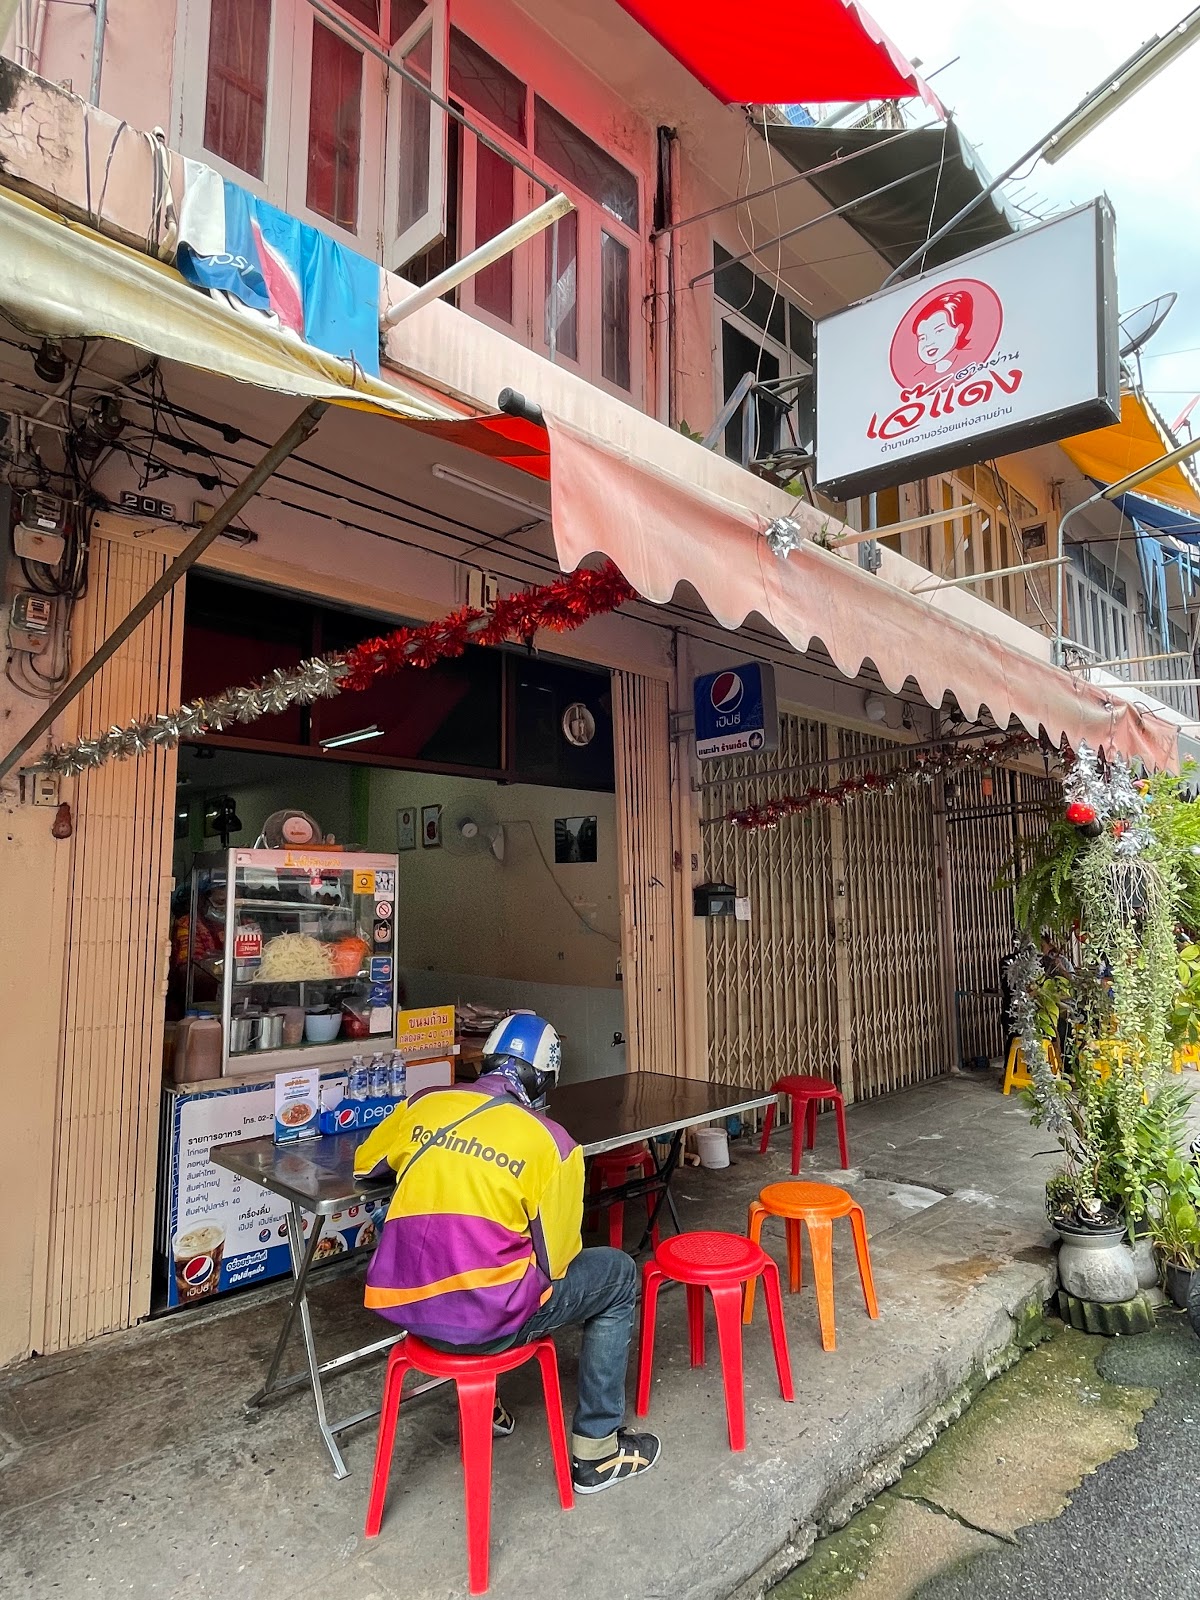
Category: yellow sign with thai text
[425,1031]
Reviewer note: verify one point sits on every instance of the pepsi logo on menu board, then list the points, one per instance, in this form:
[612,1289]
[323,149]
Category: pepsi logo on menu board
[735,711]
[198,1271]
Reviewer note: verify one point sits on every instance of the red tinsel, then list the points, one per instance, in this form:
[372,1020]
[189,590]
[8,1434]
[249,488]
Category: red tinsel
[924,769]
[559,607]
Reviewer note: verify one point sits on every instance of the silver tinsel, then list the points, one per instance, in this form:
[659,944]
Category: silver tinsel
[315,679]
[784,535]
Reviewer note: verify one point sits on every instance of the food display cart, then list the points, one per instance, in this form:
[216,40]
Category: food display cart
[294,952]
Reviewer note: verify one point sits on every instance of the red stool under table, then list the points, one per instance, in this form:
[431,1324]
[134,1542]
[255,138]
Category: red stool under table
[722,1263]
[806,1094]
[475,1378]
[610,1169]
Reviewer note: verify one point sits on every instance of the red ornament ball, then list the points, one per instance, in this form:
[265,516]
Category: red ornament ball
[1080,812]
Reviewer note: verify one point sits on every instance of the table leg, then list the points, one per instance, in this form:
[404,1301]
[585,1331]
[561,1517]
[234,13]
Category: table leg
[664,1172]
[302,1260]
[304,1257]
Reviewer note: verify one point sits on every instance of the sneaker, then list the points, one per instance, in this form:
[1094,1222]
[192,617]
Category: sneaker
[503,1421]
[635,1453]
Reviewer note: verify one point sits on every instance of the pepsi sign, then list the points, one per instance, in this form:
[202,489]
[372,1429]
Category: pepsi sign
[735,711]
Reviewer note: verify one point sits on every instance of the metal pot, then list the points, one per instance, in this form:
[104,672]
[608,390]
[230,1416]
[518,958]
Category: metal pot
[270,1031]
[1096,1264]
[243,1031]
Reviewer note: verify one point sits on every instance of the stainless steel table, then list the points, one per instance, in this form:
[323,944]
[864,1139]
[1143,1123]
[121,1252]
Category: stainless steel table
[317,1176]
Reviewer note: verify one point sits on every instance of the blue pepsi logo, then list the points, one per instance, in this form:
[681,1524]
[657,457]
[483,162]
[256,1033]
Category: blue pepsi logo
[264,1235]
[726,692]
[345,1117]
[198,1271]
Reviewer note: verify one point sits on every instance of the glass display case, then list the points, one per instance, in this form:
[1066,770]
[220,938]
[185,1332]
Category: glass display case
[295,950]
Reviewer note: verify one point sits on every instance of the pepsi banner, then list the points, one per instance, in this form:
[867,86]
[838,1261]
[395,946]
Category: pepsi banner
[735,711]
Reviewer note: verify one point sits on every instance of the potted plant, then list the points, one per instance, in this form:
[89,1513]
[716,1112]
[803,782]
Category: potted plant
[1115,877]
[1175,1230]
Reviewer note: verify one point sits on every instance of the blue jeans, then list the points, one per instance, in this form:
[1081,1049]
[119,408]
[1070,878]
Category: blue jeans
[599,1291]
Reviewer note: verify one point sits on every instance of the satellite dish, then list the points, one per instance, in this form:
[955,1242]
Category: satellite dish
[1139,327]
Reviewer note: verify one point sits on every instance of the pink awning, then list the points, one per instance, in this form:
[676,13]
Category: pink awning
[661,534]
[782,52]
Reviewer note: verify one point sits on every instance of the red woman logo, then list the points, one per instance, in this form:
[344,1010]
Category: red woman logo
[956,326]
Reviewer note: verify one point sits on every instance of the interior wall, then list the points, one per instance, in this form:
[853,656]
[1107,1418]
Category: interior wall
[522,918]
[323,790]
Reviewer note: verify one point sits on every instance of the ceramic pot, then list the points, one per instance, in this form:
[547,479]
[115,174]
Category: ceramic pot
[1096,1264]
[1177,1281]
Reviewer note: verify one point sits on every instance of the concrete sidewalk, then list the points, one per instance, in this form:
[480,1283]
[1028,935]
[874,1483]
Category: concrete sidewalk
[128,1467]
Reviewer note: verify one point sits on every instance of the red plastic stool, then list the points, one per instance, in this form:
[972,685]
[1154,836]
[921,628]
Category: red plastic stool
[612,1168]
[475,1377]
[806,1094]
[721,1263]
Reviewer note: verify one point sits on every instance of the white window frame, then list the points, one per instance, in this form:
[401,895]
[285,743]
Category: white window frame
[400,246]
[528,326]
[790,364]
[285,167]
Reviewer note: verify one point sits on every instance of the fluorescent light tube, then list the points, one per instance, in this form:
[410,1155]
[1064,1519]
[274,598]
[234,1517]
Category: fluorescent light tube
[460,480]
[337,740]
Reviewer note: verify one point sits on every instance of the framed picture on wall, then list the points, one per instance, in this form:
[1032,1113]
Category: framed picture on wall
[431,827]
[406,828]
[574,840]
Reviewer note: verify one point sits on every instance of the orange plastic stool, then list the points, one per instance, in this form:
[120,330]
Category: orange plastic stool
[721,1263]
[612,1168]
[806,1094]
[475,1378]
[816,1206]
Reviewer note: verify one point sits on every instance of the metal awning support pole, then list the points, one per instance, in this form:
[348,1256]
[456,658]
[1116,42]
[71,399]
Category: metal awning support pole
[969,578]
[1132,481]
[524,228]
[304,425]
[907,526]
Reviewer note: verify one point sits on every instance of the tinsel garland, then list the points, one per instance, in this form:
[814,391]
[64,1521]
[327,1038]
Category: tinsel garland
[924,769]
[558,607]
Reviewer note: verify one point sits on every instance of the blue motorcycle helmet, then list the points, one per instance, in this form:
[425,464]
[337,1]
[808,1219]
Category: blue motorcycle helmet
[528,1045]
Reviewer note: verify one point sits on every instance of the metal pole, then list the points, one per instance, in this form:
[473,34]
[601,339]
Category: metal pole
[1112,492]
[524,228]
[98,51]
[782,238]
[784,183]
[906,526]
[1109,87]
[986,577]
[304,425]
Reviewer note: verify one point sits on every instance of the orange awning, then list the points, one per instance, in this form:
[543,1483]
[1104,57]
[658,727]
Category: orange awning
[1109,454]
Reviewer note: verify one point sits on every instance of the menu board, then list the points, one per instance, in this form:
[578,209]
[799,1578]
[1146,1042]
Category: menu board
[223,1231]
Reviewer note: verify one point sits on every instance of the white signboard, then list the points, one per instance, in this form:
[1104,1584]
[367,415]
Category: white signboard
[1005,348]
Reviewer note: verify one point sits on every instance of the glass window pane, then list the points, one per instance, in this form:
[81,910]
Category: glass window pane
[334,128]
[416,123]
[494,211]
[481,82]
[562,302]
[614,302]
[403,14]
[574,157]
[364,11]
[235,111]
[741,290]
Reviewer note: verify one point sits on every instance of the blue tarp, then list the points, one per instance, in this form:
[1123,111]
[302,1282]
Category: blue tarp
[1163,519]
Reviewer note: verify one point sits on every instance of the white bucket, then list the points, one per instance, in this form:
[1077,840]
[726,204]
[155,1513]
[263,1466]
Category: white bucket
[712,1144]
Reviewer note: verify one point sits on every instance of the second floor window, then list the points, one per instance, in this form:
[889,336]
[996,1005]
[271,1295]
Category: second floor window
[304,114]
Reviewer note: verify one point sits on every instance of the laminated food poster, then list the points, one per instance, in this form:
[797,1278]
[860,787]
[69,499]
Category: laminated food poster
[221,1231]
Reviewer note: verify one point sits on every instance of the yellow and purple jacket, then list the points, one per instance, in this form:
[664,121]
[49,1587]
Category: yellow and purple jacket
[487,1220]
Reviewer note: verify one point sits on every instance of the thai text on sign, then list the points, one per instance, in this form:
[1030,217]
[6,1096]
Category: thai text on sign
[425,1030]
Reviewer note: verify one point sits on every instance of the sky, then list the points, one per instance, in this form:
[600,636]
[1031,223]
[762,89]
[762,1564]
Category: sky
[1023,64]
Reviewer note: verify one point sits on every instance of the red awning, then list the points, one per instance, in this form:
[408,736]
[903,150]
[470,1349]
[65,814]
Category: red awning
[783,52]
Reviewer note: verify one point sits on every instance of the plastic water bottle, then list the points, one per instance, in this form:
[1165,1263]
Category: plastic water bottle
[358,1084]
[399,1077]
[381,1077]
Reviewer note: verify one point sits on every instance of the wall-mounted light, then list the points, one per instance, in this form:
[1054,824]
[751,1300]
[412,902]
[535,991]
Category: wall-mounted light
[337,740]
[876,708]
